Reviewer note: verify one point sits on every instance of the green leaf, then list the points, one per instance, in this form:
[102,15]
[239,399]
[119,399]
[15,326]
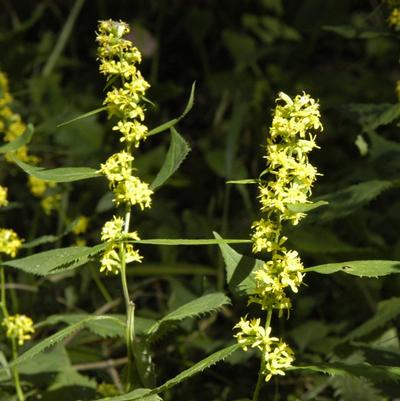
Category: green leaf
[82,116]
[68,377]
[18,142]
[61,174]
[239,269]
[199,367]
[55,339]
[177,152]
[374,373]
[244,181]
[140,394]
[185,242]
[361,268]
[56,260]
[306,207]
[352,32]
[205,304]
[386,311]
[347,200]
[171,123]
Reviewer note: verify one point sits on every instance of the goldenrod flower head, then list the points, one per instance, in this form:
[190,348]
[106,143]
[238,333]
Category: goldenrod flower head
[3,196]
[51,203]
[110,262]
[81,225]
[118,167]
[277,359]
[267,235]
[38,186]
[112,230]
[132,131]
[394,19]
[18,327]
[134,192]
[9,242]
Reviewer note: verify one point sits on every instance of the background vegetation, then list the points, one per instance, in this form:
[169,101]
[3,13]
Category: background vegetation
[241,54]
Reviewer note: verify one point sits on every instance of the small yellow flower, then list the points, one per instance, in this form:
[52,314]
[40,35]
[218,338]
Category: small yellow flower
[134,192]
[3,196]
[81,225]
[38,186]
[50,203]
[9,242]
[107,390]
[112,230]
[19,327]
[394,19]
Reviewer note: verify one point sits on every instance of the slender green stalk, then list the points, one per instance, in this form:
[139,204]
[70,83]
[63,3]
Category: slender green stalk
[102,288]
[3,304]
[15,372]
[262,363]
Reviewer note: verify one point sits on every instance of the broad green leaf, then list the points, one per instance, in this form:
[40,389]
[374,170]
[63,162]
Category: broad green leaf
[56,260]
[60,174]
[18,142]
[140,394]
[352,32]
[306,207]
[350,388]
[347,200]
[185,242]
[374,373]
[199,367]
[381,146]
[205,304]
[171,123]
[55,339]
[82,116]
[68,377]
[239,268]
[372,116]
[177,152]
[44,239]
[361,268]
[243,182]
[386,311]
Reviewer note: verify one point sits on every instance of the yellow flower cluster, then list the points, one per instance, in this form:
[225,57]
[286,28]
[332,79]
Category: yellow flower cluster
[12,126]
[9,242]
[81,225]
[394,17]
[288,180]
[118,60]
[19,327]
[3,196]
[277,355]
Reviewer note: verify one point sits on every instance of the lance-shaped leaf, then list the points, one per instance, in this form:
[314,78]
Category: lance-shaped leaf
[177,152]
[18,142]
[56,260]
[140,394]
[185,242]
[239,269]
[82,116]
[171,123]
[205,304]
[59,174]
[360,268]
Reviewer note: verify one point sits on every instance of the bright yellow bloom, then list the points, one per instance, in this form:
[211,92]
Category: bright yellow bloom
[50,203]
[38,186]
[134,192]
[9,242]
[394,19]
[19,327]
[118,167]
[81,225]
[112,230]
[3,196]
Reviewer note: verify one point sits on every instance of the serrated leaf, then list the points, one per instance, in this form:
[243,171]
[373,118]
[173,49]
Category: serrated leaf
[386,311]
[185,242]
[140,394]
[205,304]
[56,260]
[347,200]
[239,268]
[82,116]
[376,373]
[177,152]
[68,377]
[360,268]
[171,123]
[60,174]
[55,339]
[199,367]
[351,388]
[18,142]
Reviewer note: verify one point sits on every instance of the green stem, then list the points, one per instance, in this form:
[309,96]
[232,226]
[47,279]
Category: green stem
[262,364]
[130,337]
[100,285]
[15,373]
[3,304]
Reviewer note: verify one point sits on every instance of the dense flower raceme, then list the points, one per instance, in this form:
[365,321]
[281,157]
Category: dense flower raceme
[12,127]
[9,242]
[118,61]
[289,178]
[18,327]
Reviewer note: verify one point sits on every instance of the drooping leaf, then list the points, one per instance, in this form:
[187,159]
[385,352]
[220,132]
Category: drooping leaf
[205,304]
[374,373]
[56,260]
[60,174]
[171,123]
[386,311]
[185,242]
[82,116]
[177,152]
[243,182]
[239,269]
[345,201]
[199,367]
[18,142]
[360,268]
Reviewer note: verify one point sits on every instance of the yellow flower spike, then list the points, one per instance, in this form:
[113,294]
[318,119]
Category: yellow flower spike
[3,196]
[19,327]
[117,167]
[10,243]
[112,230]
[134,192]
